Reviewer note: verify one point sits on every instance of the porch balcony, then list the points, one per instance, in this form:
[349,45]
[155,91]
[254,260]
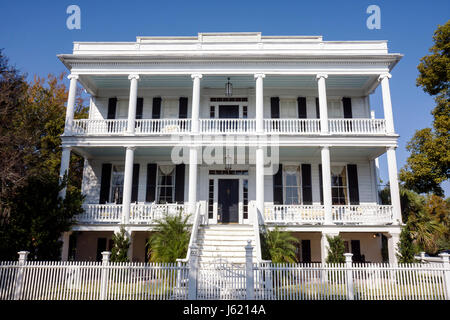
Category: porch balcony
[94,127]
[149,213]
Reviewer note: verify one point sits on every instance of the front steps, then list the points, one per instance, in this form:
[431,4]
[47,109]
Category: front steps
[224,243]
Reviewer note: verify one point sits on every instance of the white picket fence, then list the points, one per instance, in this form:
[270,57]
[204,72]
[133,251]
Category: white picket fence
[36,280]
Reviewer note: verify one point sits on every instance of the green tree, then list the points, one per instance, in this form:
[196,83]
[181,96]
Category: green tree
[278,245]
[119,252]
[37,218]
[429,163]
[336,250]
[405,247]
[171,239]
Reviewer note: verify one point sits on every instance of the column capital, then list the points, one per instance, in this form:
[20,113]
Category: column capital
[73,76]
[384,75]
[321,75]
[259,75]
[391,148]
[133,76]
[131,148]
[325,146]
[196,75]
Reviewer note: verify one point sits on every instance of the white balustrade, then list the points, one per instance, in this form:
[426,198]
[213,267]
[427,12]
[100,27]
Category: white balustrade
[292,126]
[163,126]
[100,126]
[100,213]
[362,214]
[224,126]
[294,214]
[357,126]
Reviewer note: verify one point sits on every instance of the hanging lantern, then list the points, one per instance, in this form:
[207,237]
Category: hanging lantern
[228,89]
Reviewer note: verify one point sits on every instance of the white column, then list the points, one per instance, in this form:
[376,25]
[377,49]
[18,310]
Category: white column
[132,102]
[324,245]
[393,240]
[259,182]
[64,168]
[130,251]
[193,158]
[259,102]
[196,102]
[65,237]
[393,184]
[387,105]
[70,110]
[127,184]
[323,102]
[326,183]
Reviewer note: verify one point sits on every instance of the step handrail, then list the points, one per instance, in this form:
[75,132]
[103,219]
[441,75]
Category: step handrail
[256,224]
[198,218]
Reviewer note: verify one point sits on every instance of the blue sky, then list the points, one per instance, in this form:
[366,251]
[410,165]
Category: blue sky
[34,32]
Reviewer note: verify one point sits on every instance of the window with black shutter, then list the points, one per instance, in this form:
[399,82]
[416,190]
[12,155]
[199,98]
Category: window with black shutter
[306,184]
[301,106]
[347,104]
[156,108]
[179,183]
[275,111]
[183,108]
[353,188]
[151,182]
[278,186]
[135,183]
[139,108]
[105,183]
[112,104]
[321,184]
[317,108]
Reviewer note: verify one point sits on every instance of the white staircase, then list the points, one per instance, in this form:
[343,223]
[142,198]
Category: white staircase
[224,243]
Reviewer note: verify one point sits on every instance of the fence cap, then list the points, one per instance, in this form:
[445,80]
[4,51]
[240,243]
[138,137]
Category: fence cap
[444,255]
[348,257]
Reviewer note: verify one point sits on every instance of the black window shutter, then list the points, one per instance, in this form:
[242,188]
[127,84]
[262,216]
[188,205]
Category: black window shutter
[321,184]
[151,182]
[278,186]
[135,183]
[353,184]
[179,183]
[275,107]
[183,108]
[112,104]
[301,105]
[317,108]
[139,108]
[156,110]
[347,102]
[306,184]
[105,182]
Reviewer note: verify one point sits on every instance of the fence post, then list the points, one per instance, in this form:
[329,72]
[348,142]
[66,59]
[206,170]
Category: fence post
[23,255]
[348,267]
[249,276]
[446,263]
[193,273]
[422,257]
[105,274]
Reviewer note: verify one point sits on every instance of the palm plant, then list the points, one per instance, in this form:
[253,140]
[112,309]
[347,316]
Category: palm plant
[336,250]
[278,246]
[425,230]
[171,239]
[119,252]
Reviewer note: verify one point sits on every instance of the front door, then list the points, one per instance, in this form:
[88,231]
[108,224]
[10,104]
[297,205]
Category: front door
[228,200]
[228,112]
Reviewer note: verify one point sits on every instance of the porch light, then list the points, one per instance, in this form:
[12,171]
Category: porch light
[228,162]
[228,88]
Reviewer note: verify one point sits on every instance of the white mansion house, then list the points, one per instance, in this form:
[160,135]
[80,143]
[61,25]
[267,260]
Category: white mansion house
[239,131]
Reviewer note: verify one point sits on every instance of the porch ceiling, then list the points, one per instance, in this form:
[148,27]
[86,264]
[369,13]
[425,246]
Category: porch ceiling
[218,81]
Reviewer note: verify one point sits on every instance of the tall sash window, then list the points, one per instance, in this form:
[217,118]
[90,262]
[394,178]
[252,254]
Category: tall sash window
[292,187]
[339,192]
[117,177]
[166,184]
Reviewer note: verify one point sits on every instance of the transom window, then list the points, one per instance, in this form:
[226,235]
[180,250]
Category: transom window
[292,185]
[116,192]
[339,185]
[166,184]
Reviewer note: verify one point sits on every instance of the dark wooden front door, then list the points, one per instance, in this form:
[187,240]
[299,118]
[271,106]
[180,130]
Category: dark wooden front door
[228,112]
[356,250]
[228,200]
[306,251]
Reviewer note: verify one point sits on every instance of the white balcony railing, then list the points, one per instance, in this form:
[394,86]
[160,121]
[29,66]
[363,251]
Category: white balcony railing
[315,214]
[163,126]
[294,214]
[292,126]
[227,126]
[357,126]
[100,213]
[140,213]
[102,126]
[363,214]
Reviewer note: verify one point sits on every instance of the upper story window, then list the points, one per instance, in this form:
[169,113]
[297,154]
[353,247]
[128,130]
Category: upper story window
[292,185]
[166,184]
[117,177]
[339,185]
